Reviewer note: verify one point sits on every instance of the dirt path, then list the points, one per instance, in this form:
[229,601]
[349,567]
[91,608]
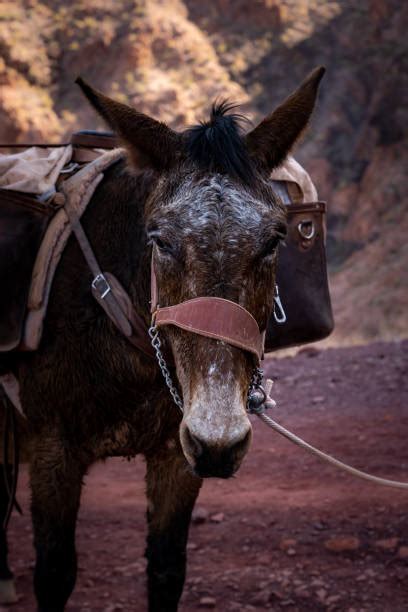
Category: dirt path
[287,532]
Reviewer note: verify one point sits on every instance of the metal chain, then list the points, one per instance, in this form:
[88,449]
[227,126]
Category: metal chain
[156,344]
[256,394]
[254,385]
[256,379]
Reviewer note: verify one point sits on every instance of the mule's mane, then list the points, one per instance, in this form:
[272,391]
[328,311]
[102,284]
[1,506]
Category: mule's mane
[217,145]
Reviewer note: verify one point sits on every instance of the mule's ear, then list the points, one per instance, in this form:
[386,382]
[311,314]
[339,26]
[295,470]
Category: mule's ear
[150,142]
[270,142]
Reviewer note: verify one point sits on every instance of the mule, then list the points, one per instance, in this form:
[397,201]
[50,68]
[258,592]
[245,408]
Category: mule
[201,202]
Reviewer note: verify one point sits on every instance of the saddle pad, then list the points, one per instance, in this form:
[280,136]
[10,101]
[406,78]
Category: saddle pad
[79,189]
[297,184]
[34,170]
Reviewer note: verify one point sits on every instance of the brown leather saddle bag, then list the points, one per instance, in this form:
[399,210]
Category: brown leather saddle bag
[23,221]
[302,281]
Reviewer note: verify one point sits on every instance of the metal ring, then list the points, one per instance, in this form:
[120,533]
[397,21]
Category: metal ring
[308,235]
[70,167]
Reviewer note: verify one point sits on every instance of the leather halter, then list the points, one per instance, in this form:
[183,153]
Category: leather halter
[212,317]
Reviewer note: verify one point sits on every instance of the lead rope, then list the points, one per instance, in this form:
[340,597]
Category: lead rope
[260,413]
[258,401]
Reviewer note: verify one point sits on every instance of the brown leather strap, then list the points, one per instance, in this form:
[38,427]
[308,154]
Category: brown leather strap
[215,318]
[27,145]
[87,139]
[306,207]
[84,156]
[139,336]
[27,200]
[110,294]
[94,140]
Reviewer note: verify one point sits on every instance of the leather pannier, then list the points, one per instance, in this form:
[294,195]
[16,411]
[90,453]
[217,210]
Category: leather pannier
[23,221]
[302,280]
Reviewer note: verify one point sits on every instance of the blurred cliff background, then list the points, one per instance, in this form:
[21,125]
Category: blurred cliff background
[171,58]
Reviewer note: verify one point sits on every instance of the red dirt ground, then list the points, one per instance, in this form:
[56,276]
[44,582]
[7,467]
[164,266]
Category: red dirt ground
[288,532]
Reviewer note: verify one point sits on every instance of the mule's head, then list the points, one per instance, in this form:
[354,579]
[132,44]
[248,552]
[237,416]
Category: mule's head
[214,223]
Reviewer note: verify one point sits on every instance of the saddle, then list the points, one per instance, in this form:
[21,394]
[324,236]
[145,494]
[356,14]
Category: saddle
[34,230]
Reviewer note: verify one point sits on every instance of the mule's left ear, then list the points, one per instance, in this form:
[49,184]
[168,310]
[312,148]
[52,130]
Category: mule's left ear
[270,142]
[150,142]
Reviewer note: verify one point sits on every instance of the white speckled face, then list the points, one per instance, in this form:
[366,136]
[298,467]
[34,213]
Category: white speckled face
[215,203]
[215,422]
[210,240]
[209,231]
[216,412]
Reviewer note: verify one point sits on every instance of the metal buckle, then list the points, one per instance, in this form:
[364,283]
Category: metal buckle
[101,285]
[306,234]
[47,196]
[281,316]
[70,167]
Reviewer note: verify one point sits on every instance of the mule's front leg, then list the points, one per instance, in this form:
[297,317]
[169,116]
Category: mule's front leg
[56,478]
[171,491]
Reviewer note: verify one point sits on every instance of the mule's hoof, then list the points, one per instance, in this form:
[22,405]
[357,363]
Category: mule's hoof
[8,593]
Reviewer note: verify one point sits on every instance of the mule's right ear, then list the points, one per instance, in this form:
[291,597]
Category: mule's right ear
[270,142]
[149,142]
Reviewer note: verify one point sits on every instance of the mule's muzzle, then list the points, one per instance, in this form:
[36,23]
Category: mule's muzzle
[217,459]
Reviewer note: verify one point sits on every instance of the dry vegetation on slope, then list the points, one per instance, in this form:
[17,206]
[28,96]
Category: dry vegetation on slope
[171,58]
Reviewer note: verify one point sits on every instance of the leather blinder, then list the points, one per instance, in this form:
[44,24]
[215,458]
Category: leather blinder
[215,318]
[212,317]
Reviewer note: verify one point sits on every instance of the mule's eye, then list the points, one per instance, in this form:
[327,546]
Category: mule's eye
[270,247]
[162,245]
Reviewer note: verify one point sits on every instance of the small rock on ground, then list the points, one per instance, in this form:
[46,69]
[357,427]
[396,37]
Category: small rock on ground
[207,602]
[200,515]
[387,544]
[342,544]
[217,518]
[403,552]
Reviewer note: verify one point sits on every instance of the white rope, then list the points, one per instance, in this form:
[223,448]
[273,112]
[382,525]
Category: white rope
[325,457]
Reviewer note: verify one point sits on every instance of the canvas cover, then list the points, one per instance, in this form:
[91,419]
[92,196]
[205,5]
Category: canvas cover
[34,170]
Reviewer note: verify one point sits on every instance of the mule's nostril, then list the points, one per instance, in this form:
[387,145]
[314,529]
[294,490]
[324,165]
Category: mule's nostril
[215,452]
[194,443]
[220,458]
[243,444]
[219,450]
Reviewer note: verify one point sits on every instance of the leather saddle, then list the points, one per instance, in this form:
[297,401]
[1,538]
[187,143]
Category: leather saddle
[24,218]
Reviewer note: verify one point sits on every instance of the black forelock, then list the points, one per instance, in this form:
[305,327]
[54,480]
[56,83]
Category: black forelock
[217,145]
